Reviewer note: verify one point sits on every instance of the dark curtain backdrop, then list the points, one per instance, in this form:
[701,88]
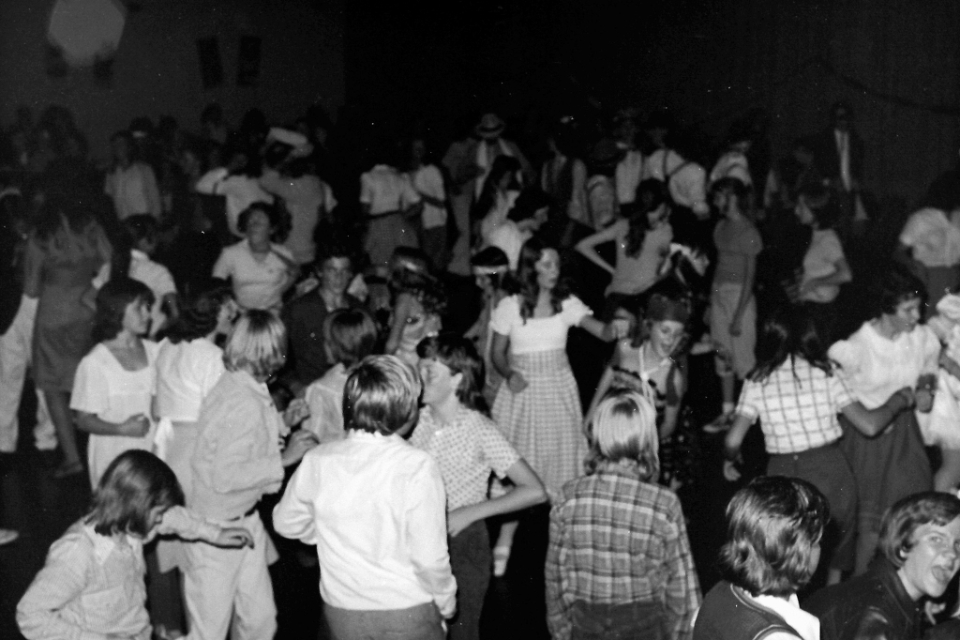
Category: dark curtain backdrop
[897,62]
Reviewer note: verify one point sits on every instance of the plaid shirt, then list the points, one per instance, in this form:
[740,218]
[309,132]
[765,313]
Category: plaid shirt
[797,406]
[615,539]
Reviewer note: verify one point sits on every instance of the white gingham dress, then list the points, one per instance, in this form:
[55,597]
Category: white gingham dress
[544,421]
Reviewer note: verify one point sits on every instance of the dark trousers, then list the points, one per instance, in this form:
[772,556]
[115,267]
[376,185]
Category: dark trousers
[470,560]
[593,621]
[421,622]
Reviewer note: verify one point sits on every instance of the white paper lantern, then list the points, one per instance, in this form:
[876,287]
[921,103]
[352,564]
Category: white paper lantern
[86,30]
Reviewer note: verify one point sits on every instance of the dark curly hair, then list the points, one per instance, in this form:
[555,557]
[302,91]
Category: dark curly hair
[530,254]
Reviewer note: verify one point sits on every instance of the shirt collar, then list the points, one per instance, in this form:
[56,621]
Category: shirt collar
[103,545]
[806,624]
[376,438]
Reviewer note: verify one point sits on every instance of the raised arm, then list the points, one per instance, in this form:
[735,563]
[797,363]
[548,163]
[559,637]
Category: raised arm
[587,246]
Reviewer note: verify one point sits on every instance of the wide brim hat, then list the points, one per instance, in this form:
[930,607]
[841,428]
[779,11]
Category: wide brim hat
[490,126]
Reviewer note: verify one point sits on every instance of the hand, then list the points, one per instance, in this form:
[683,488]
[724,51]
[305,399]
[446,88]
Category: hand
[516,382]
[296,412]
[924,400]
[298,445]
[730,471]
[735,327]
[234,537]
[135,426]
[932,609]
[616,329]
[457,521]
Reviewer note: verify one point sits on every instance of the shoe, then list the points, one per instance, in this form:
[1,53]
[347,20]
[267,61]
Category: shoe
[501,556]
[7,536]
[67,470]
[721,424]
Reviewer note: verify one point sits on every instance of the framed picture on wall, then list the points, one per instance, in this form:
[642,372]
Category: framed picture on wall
[211,69]
[248,61]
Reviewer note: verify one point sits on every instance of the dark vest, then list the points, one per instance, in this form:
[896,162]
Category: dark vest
[728,614]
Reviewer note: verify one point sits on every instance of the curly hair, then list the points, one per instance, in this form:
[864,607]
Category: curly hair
[200,314]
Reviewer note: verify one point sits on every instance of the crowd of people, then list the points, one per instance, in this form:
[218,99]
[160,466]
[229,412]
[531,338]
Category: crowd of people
[216,317]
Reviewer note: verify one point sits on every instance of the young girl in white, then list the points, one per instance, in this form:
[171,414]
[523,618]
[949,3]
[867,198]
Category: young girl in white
[456,430]
[92,583]
[113,387]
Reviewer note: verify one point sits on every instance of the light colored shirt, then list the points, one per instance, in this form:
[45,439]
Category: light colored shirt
[509,238]
[821,259]
[875,367]
[376,509]
[157,277]
[104,388]
[429,181]
[797,406]
[92,585]
[325,399]
[933,238]
[257,282]
[305,197]
[134,190]
[186,372]
[386,190]
[468,451]
[537,334]
[240,191]
[636,274]
[237,455]
[732,164]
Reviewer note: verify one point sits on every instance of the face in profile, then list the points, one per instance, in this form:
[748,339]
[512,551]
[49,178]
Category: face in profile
[933,561]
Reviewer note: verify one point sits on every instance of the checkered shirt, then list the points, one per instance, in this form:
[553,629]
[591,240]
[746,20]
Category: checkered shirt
[797,406]
[467,451]
[615,539]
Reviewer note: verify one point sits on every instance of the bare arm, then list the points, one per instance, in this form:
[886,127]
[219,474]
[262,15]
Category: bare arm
[604,331]
[401,312]
[587,246]
[528,491]
[872,422]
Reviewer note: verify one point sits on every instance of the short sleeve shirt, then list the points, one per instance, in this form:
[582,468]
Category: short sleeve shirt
[429,181]
[257,284]
[797,406]
[737,241]
[386,190]
[467,452]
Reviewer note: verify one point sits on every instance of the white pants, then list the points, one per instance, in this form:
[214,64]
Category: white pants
[15,349]
[230,589]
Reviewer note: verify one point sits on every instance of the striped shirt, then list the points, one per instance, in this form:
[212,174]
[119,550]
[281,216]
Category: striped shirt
[797,406]
[614,540]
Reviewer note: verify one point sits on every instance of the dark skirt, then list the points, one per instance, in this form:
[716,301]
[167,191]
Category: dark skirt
[887,467]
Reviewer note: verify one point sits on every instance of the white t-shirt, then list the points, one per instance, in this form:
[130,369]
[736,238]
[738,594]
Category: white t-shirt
[104,388]
[240,191]
[386,190]
[257,283]
[186,372]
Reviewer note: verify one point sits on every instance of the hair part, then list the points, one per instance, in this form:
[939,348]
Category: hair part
[624,428]
[381,396]
[774,526]
[135,483]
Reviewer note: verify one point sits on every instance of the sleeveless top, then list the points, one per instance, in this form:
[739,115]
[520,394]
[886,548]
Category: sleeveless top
[728,614]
